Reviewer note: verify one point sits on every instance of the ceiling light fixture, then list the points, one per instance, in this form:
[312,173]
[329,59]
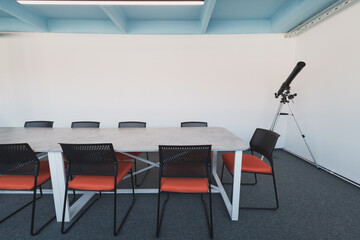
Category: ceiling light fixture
[113,2]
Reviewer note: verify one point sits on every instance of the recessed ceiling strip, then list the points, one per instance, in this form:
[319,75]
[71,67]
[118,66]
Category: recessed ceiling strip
[112,2]
[318,17]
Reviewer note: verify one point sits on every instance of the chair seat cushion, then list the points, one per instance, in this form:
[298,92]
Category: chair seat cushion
[120,156]
[101,183]
[250,163]
[25,182]
[184,185]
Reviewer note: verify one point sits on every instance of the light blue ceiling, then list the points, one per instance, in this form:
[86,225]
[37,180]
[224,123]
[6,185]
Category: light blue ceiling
[246,9]
[68,12]
[162,13]
[4,15]
[214,17]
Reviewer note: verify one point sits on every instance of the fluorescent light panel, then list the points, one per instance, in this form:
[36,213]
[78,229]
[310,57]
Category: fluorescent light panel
[112,2]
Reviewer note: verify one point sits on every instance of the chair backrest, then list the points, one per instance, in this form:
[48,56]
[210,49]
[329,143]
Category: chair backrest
[192,161]
[194,124]
[263,141]
[90,159]
[132,124]
[85,124]
[38,124]
[18,159]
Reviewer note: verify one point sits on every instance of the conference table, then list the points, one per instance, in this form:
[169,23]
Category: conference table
[127,140]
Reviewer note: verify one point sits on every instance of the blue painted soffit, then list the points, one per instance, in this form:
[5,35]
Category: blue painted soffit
[214,17]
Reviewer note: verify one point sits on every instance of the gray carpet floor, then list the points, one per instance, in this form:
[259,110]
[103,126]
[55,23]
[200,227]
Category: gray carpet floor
[313,205]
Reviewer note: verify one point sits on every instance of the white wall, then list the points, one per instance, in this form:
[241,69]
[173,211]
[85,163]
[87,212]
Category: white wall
[226,80]
[328,103]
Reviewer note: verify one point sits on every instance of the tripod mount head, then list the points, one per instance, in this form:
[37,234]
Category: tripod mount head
[286,96]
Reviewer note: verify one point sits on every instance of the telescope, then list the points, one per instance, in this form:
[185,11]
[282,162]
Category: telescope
[286,85]
[286,96]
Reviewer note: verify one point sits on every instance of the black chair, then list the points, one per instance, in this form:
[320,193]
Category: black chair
[39,124]
[185,169]
[132,124]
[194,124]
[20,169]
[82,124]
[262,142]
[95,168]
[85,124]
[120,156]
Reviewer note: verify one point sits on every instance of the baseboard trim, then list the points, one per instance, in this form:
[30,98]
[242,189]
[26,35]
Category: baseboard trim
[323,168]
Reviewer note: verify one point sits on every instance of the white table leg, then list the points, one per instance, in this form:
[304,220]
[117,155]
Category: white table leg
[214,162]
[233,208]
[236,186]
[57,172]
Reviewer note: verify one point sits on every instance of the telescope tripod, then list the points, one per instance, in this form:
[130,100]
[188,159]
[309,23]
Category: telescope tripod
[285,101]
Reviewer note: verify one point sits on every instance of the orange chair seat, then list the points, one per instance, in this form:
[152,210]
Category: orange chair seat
[250,163]
[101,183]
[120,156]
[25,182]
[185,185]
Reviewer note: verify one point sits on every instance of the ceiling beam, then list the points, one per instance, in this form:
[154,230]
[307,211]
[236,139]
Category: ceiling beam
[117,16]
[11,24]
[18,11]
[206,13]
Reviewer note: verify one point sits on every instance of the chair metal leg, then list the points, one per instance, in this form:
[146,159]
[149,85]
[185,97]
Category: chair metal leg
[275,190]
[160,217]
[222,172]
[19,209]
[209,220]
[276,197]
[211,216]
[147,172]
[117,230]
[33,233]
[33,201]
[255,182]
[157,215]
[74,193]
[63,230]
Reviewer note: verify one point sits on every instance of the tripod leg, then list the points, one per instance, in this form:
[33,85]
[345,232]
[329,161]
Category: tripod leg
[273,125]
[303,136]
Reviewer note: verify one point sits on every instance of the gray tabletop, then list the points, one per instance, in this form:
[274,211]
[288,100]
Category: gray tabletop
[123,139]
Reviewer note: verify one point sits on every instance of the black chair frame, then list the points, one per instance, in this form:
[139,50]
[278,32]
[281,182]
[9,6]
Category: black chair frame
[136,124]
[116,230]
[194,124]
[85,124]
[222,174]
[209,216]
[269,157]
[33,201]
[42,124]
